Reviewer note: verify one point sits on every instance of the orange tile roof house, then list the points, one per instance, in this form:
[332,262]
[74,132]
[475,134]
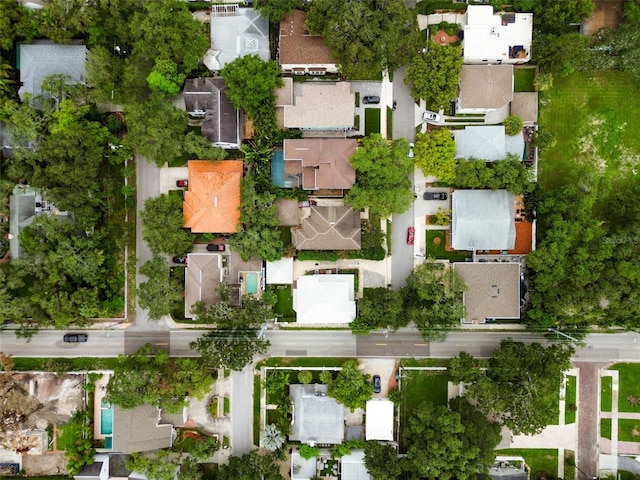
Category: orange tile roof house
[212,202]
[300,51]
[320,163]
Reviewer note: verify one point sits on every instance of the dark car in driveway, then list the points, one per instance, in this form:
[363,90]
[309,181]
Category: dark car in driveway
[377,386]
[75,337]
[371,99]
[215,247]
[435,196]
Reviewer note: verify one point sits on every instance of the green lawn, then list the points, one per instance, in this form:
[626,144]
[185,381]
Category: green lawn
[539,459]
[285,235]
[371,121]
[305,362]
[226,406]
[64,364]
[569,464]
[605,428]
[66,435]
[594,117]
[439,251]
[257,389]
[523,79]
[423,386]
[629,430]
[629,388]
[605,394]
[389,123]
[284,305]
[570,400]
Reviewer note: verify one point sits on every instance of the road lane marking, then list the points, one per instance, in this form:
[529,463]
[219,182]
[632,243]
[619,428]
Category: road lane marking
[380,344]
[162,343]
[421,344]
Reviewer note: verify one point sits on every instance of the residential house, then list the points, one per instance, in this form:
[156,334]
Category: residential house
[206,98]
[144,428]
[319,163]
[38,60]
[329,228]
[212,200]
[280,272]
[525,106]
[317,418]
[493,290]
[98,470]
[484,88]
[380,420]
[508,468]
[236,32]
[483,220]
[300,52]
[489,143]
[494,39]
[352,466]
[321,106]
[324,298]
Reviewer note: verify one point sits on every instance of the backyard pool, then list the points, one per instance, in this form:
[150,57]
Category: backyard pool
[252,283]
[106,421]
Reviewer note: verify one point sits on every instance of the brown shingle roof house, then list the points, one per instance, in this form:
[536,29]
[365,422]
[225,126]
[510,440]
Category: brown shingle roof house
[212,202]
[484,88]
[320,163]
[300,51]
[329,228]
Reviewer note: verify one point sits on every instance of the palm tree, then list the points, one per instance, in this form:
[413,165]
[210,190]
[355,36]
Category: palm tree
[5,78]
[272,438]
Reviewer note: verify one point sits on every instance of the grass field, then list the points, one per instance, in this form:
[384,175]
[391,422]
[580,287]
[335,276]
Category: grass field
[594,117]
[539,459]
[605,428]
[523,79]
[423,386]
[66,435]
[629,430]
[371,121]
[570,399]
[605,394]
[629,379]
[284,305]
[439,251]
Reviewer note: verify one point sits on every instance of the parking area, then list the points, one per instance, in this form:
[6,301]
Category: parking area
[170,175]
[384,367]
[365,89]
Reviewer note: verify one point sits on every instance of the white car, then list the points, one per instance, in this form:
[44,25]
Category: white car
[431,117]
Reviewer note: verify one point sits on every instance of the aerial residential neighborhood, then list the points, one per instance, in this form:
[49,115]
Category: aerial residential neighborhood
[319,239]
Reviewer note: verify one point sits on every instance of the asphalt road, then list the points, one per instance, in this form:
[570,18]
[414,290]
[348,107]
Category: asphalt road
[242,411]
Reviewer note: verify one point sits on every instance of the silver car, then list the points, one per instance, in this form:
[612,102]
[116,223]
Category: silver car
[431,117]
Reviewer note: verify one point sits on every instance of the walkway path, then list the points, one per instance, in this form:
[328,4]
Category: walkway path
[588,392]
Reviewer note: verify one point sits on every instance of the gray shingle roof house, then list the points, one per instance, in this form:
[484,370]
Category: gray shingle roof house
[141,429]
[206,97]
[316,417]
[236,32]
[482,220]
[488,143]
[40,59]
[329,228]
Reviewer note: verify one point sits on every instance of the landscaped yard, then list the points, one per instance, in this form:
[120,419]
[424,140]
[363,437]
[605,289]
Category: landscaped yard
[605,428]
[436,248]
[284,306]
[594,117]
[629,430]
[629,388]
[570,400]
[523,79]
[65,435]
[420,386]
[371,121]
[605,394]
[539,459]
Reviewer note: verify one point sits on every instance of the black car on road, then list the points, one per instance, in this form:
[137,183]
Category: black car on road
[75,337]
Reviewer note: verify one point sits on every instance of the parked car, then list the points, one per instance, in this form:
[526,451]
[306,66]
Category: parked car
[431,117]
[75,337]
[215,247]
[308,203]
[411,145]
[182,183]
[376,384]
[411,235]
[435,196]
[370,99]
[181,260]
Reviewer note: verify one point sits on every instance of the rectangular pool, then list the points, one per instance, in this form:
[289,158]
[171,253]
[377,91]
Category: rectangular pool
[108,442]
[252,283]
[106,421]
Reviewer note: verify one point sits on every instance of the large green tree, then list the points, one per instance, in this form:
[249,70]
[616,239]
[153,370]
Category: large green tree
[510,174]
[64,20]
[550,16]
[250,466]
[435,74]
[365,36]
[162,292]
[522,384]
[163,226]
[379,308]
[435,154]
[561,54]
[382,461]
[16,22]
[382,170]
[351,387]
[275,10]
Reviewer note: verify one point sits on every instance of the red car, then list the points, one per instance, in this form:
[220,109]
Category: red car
[182,183]
[411,235]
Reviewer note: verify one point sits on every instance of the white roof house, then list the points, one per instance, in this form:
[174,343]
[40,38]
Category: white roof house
[325,299]
[379,419]
[488,143]
[280,272]
[482,220]
[500,38]
[317,418]
[352,466]
[321,106]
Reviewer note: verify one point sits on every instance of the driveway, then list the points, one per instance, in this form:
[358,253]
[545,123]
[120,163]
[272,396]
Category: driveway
[242,411]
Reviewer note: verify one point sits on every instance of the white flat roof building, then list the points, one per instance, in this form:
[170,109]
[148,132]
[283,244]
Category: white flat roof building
[379,419]
[325,299]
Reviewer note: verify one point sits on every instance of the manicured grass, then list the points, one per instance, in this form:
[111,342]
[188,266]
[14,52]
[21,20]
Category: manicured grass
[624,475]
[284,305]
[423,386]
[257,389]
[629,388]
[523,79]
[605,428]
[227,406]
[371,121]
[539,459]
[439,251]
[629,430]
[606,400]
[594,117]
[569,464]
[178,312]
[64,364]
[389,123]
[427,362]
[388,236]
[570,400]
[66,435]
[305,362]
[285,235]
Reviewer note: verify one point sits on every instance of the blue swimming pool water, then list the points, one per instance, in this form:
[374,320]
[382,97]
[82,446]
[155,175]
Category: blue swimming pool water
[252,283]
[105,404]
[106,421]
[108,442]
[277,170]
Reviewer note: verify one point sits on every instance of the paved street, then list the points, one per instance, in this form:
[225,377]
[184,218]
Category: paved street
[242,411]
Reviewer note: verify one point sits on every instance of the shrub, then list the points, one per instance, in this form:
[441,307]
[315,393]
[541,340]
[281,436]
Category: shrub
[326,377]
[513,125]
[308,452]
[305,377]
[442,217]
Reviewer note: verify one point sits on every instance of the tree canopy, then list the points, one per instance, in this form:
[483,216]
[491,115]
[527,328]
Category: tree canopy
[379,308]
[435,74]
[275,10]
[162,292]
[250,466]
[365,36]
[382,170]
[554,17]
[351,387]
[382,461]
[510,174]
[163,226]
[435,154]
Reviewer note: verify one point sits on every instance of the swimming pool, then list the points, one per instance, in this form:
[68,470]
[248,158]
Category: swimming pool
[108,442]
[106,421]
[252,283]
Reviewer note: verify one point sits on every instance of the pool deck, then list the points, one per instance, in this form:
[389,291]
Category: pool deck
[98,395]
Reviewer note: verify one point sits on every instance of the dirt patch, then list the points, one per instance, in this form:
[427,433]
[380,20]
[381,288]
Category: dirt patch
[606,13]
[437,240]
[44,465]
